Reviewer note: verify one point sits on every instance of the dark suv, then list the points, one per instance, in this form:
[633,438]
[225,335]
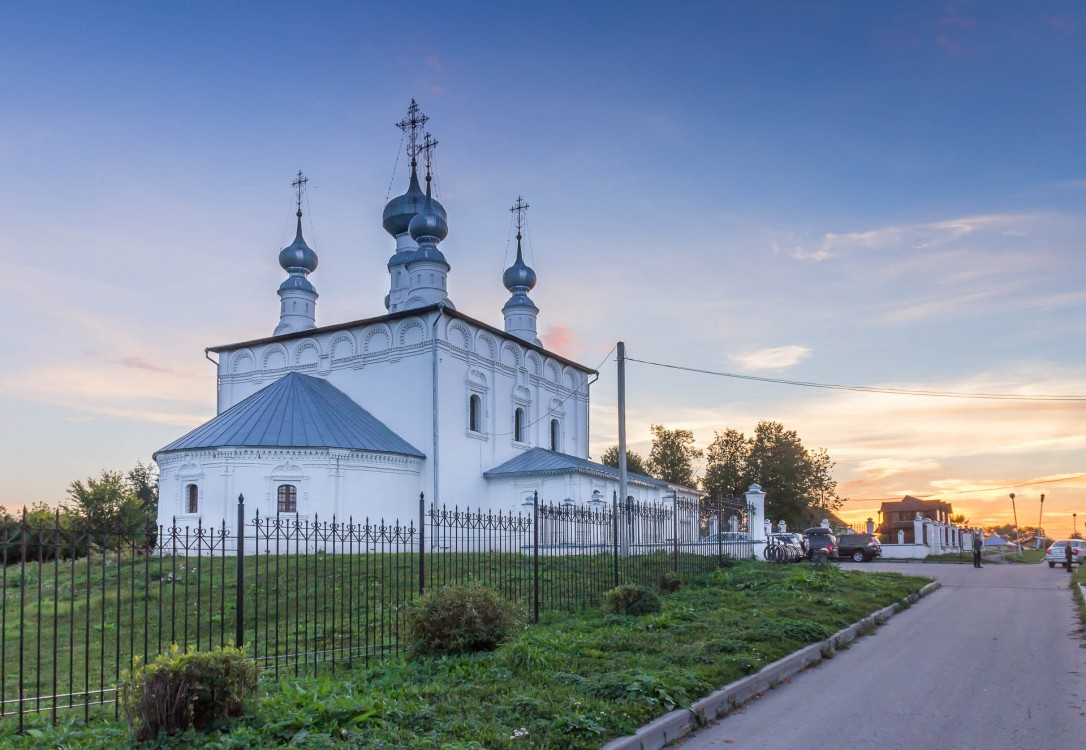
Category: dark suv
[820,541]
[859,547]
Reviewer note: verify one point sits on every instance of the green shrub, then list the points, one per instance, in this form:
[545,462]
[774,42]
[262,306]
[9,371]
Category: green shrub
[669,583]
[457,619]
[180,689]
[630,600]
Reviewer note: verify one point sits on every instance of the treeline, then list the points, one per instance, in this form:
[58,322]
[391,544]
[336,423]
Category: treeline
[797,481]
[113,511]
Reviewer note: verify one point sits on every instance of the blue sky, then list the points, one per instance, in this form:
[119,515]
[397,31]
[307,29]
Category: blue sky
[880,194]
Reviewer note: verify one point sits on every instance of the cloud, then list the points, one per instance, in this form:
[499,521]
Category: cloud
[877,469]
[139,363]
[774,358]
[562,340]
[916,236]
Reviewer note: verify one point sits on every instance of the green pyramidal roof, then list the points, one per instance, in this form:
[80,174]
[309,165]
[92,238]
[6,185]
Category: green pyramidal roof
[296,411]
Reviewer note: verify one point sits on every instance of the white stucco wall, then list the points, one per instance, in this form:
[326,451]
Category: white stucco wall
[387,367]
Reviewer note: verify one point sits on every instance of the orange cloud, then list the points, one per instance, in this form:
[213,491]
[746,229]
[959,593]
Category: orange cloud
[562,340]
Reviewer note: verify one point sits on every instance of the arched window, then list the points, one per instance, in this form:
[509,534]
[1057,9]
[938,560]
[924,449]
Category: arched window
[554,434]
[518,425]
[192,499]
[475,408]
[288,498]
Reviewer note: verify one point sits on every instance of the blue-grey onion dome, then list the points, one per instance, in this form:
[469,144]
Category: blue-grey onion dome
[297,282]
[519,274]
[298,254]
[429,223]
[402,209]
[428,251]
[519,301]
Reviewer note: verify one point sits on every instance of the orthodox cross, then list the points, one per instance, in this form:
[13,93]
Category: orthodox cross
[299,185]
[518,210]
[412,125]
[426,148]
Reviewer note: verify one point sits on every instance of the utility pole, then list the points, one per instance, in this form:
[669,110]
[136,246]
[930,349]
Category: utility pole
[622,491]
[1040,534]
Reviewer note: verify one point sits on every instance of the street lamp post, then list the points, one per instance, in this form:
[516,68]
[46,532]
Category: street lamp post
[1017,534]
[1074,517]
[1040,534]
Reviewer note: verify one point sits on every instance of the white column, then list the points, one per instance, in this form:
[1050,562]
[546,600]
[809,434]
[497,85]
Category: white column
[756,505]
[918,530]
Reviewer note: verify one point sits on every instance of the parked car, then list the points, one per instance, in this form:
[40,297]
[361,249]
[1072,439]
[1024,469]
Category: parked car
[820,539]
[859,547]
[1057,554]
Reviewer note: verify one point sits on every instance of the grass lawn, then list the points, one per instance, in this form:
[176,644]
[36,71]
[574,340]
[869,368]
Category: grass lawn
[573,681]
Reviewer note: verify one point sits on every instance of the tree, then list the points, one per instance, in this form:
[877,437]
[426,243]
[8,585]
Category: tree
[672,455]
[821,486]
[142,480]
[794,479]
[959,519]
[108,510]
[726,465]
[634,463]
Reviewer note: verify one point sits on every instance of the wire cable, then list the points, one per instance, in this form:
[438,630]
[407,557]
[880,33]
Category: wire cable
[864,388]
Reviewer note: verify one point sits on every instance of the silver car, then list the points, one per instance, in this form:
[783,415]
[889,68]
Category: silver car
[1057,553]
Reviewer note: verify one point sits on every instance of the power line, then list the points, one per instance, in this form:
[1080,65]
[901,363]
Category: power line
[969,492]
[864,388]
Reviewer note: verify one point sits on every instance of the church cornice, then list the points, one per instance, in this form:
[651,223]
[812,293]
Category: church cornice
[418,311]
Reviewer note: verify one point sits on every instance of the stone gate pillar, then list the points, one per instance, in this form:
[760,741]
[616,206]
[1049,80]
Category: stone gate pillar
[756,508]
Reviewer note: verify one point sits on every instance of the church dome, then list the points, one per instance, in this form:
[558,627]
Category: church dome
[298,254]
[402,209]
[519,275]
[429,223]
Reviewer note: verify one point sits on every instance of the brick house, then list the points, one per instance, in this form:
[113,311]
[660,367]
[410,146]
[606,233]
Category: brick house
[899,516]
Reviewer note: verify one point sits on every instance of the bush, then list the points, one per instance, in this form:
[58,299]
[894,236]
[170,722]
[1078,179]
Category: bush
[457,619]
[630,600]
[182,689]
[669,583]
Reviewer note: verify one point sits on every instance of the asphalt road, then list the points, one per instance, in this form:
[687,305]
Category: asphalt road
[994,659]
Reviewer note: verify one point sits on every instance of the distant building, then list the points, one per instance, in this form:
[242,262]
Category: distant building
[899,516]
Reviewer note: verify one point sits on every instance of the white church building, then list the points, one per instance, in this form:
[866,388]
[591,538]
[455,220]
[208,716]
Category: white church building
[356,419]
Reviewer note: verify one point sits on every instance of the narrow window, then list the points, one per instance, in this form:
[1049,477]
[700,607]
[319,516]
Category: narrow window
[192,499]
[554,434]
[518,425]
[474,407]
[288,498]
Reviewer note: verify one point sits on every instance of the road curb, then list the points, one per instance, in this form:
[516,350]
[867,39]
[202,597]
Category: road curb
[683,721]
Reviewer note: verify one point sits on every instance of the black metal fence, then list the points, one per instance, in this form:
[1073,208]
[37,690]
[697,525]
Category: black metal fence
[80,605]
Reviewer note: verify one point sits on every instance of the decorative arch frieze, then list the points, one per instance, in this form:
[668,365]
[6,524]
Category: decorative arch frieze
[477,377]
[242,362]
[485,346]
[274,358]
[377,339]
[570,378]
[306,352]
[511,355]
[412,331]
[534,364]
[462,337]
[342,346]
[554,373]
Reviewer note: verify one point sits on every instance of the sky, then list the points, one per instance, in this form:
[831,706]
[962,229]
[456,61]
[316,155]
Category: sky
[889,195]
